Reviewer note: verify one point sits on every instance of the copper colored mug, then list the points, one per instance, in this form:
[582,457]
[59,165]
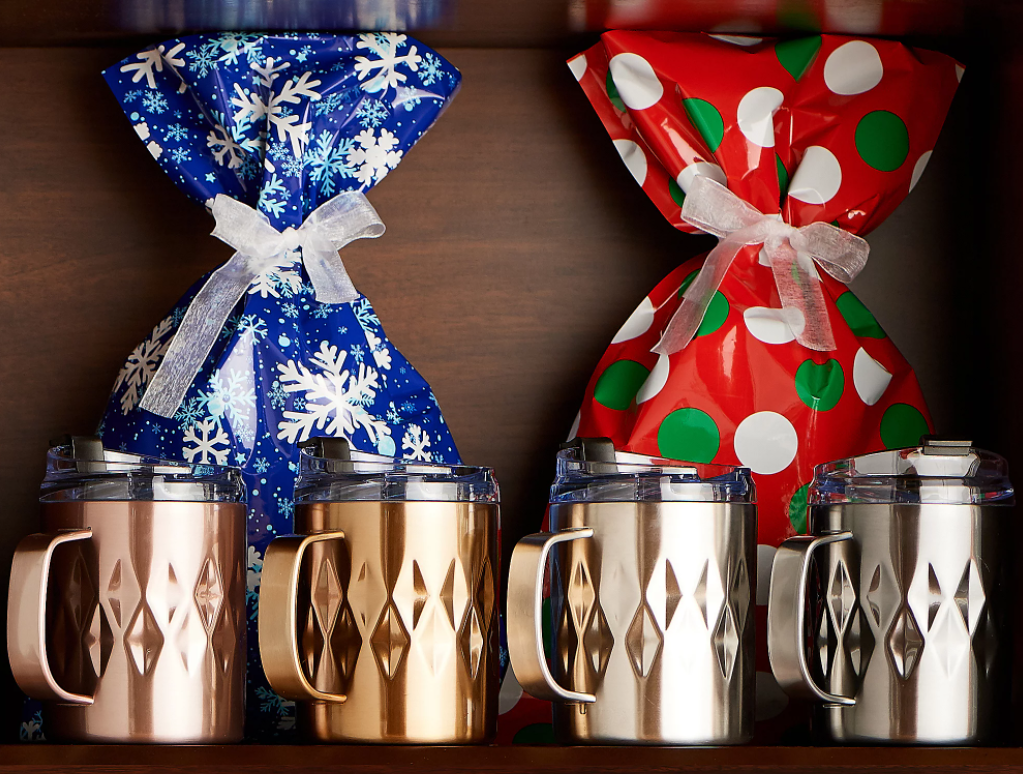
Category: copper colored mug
[380,616]
[126,617]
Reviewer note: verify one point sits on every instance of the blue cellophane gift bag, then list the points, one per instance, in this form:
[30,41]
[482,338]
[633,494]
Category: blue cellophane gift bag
[279,135]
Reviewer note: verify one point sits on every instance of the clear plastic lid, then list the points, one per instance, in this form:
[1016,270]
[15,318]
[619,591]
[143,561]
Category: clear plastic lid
[84,470]
[939,472]
[373,477]
[638,478]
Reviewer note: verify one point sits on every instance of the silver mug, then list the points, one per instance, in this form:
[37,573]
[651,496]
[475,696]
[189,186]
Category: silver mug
[652,592]
[893,614]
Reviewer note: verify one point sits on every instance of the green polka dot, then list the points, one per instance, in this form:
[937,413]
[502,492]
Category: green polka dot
[688,434]
[796,56]
[783,176]
[820,385]
[707,120]
[901,426]
[677,194]
[858,317]
[612,93]
[617,386]
[717,310]
[882,140]
[797,509]
[537,733]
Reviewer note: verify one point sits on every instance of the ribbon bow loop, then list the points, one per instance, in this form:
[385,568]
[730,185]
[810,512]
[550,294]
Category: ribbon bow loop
[259,246]
[790,251]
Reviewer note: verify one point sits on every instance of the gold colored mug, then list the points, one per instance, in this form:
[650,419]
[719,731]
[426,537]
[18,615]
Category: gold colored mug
[380,617]
[126,618]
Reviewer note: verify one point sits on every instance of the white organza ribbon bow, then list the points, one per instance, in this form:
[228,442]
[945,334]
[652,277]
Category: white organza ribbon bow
[343,219]
[790,251]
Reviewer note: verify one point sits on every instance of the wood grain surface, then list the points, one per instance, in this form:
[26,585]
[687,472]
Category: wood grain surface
[253,759]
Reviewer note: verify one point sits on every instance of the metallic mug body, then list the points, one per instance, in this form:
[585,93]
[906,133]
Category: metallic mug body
[143,637]
[906,607]
[653,621]
[388,632]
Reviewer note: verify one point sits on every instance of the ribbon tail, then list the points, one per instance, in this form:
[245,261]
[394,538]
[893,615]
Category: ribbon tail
[334,224]
[802,298]
[687,318]
[196,336]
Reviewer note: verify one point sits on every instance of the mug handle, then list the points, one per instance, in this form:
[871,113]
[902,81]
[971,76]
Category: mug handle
[26,616]
[525,616]
[278,618]
[786,617]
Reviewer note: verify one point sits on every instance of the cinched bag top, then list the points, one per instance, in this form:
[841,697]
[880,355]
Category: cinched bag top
[282,122]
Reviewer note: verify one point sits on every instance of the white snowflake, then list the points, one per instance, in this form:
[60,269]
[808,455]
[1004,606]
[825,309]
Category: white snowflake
[335,398]
[254,569]
[154,102]
[278,281]
[278,397]
[248,326]
[141,365]
[204,59]
[181,155]
[381,355]
[233,44]
[262,465]
[175,133]
[416,443]
[254,106]
[383,62]
[331,103]
[326,158]
[431,70]
[268,200]
[277,151]
[375,156]
[292,166]
[290,310]
[393,415]
[205,448]
[224,145]
[151,62]
[372,113]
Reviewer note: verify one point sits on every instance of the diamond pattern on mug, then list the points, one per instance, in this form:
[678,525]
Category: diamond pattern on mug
[389,641]
[209,594]
[905,643]
[144,640]
[726,642]
[643,641]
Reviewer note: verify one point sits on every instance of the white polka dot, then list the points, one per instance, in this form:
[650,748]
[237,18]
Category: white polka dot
[818,176]
[959,72]
[870,377]
[634,158]
[919,167]
[765,563]
[766,442]
[655,381]
[575,426]
[637,83]
[510,692]
[853,68]
[756,115]
[773,326]
[738,40]
[578,66]
[705,168]
[771,699]
[639,322]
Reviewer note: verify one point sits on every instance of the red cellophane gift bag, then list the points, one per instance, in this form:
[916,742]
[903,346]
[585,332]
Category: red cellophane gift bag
[789,151]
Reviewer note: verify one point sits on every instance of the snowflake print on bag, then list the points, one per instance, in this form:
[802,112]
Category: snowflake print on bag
[141,365]
[282,123]
[327,158]
[375,156]
[276,107]
[415,443]
[205,448]
[384,68]
[336,400]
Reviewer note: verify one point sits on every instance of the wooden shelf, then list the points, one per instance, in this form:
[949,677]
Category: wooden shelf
[256,759]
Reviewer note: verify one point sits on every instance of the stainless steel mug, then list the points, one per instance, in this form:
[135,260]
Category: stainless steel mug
[127,617]
[652,587]
[893,612]
[380,618]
